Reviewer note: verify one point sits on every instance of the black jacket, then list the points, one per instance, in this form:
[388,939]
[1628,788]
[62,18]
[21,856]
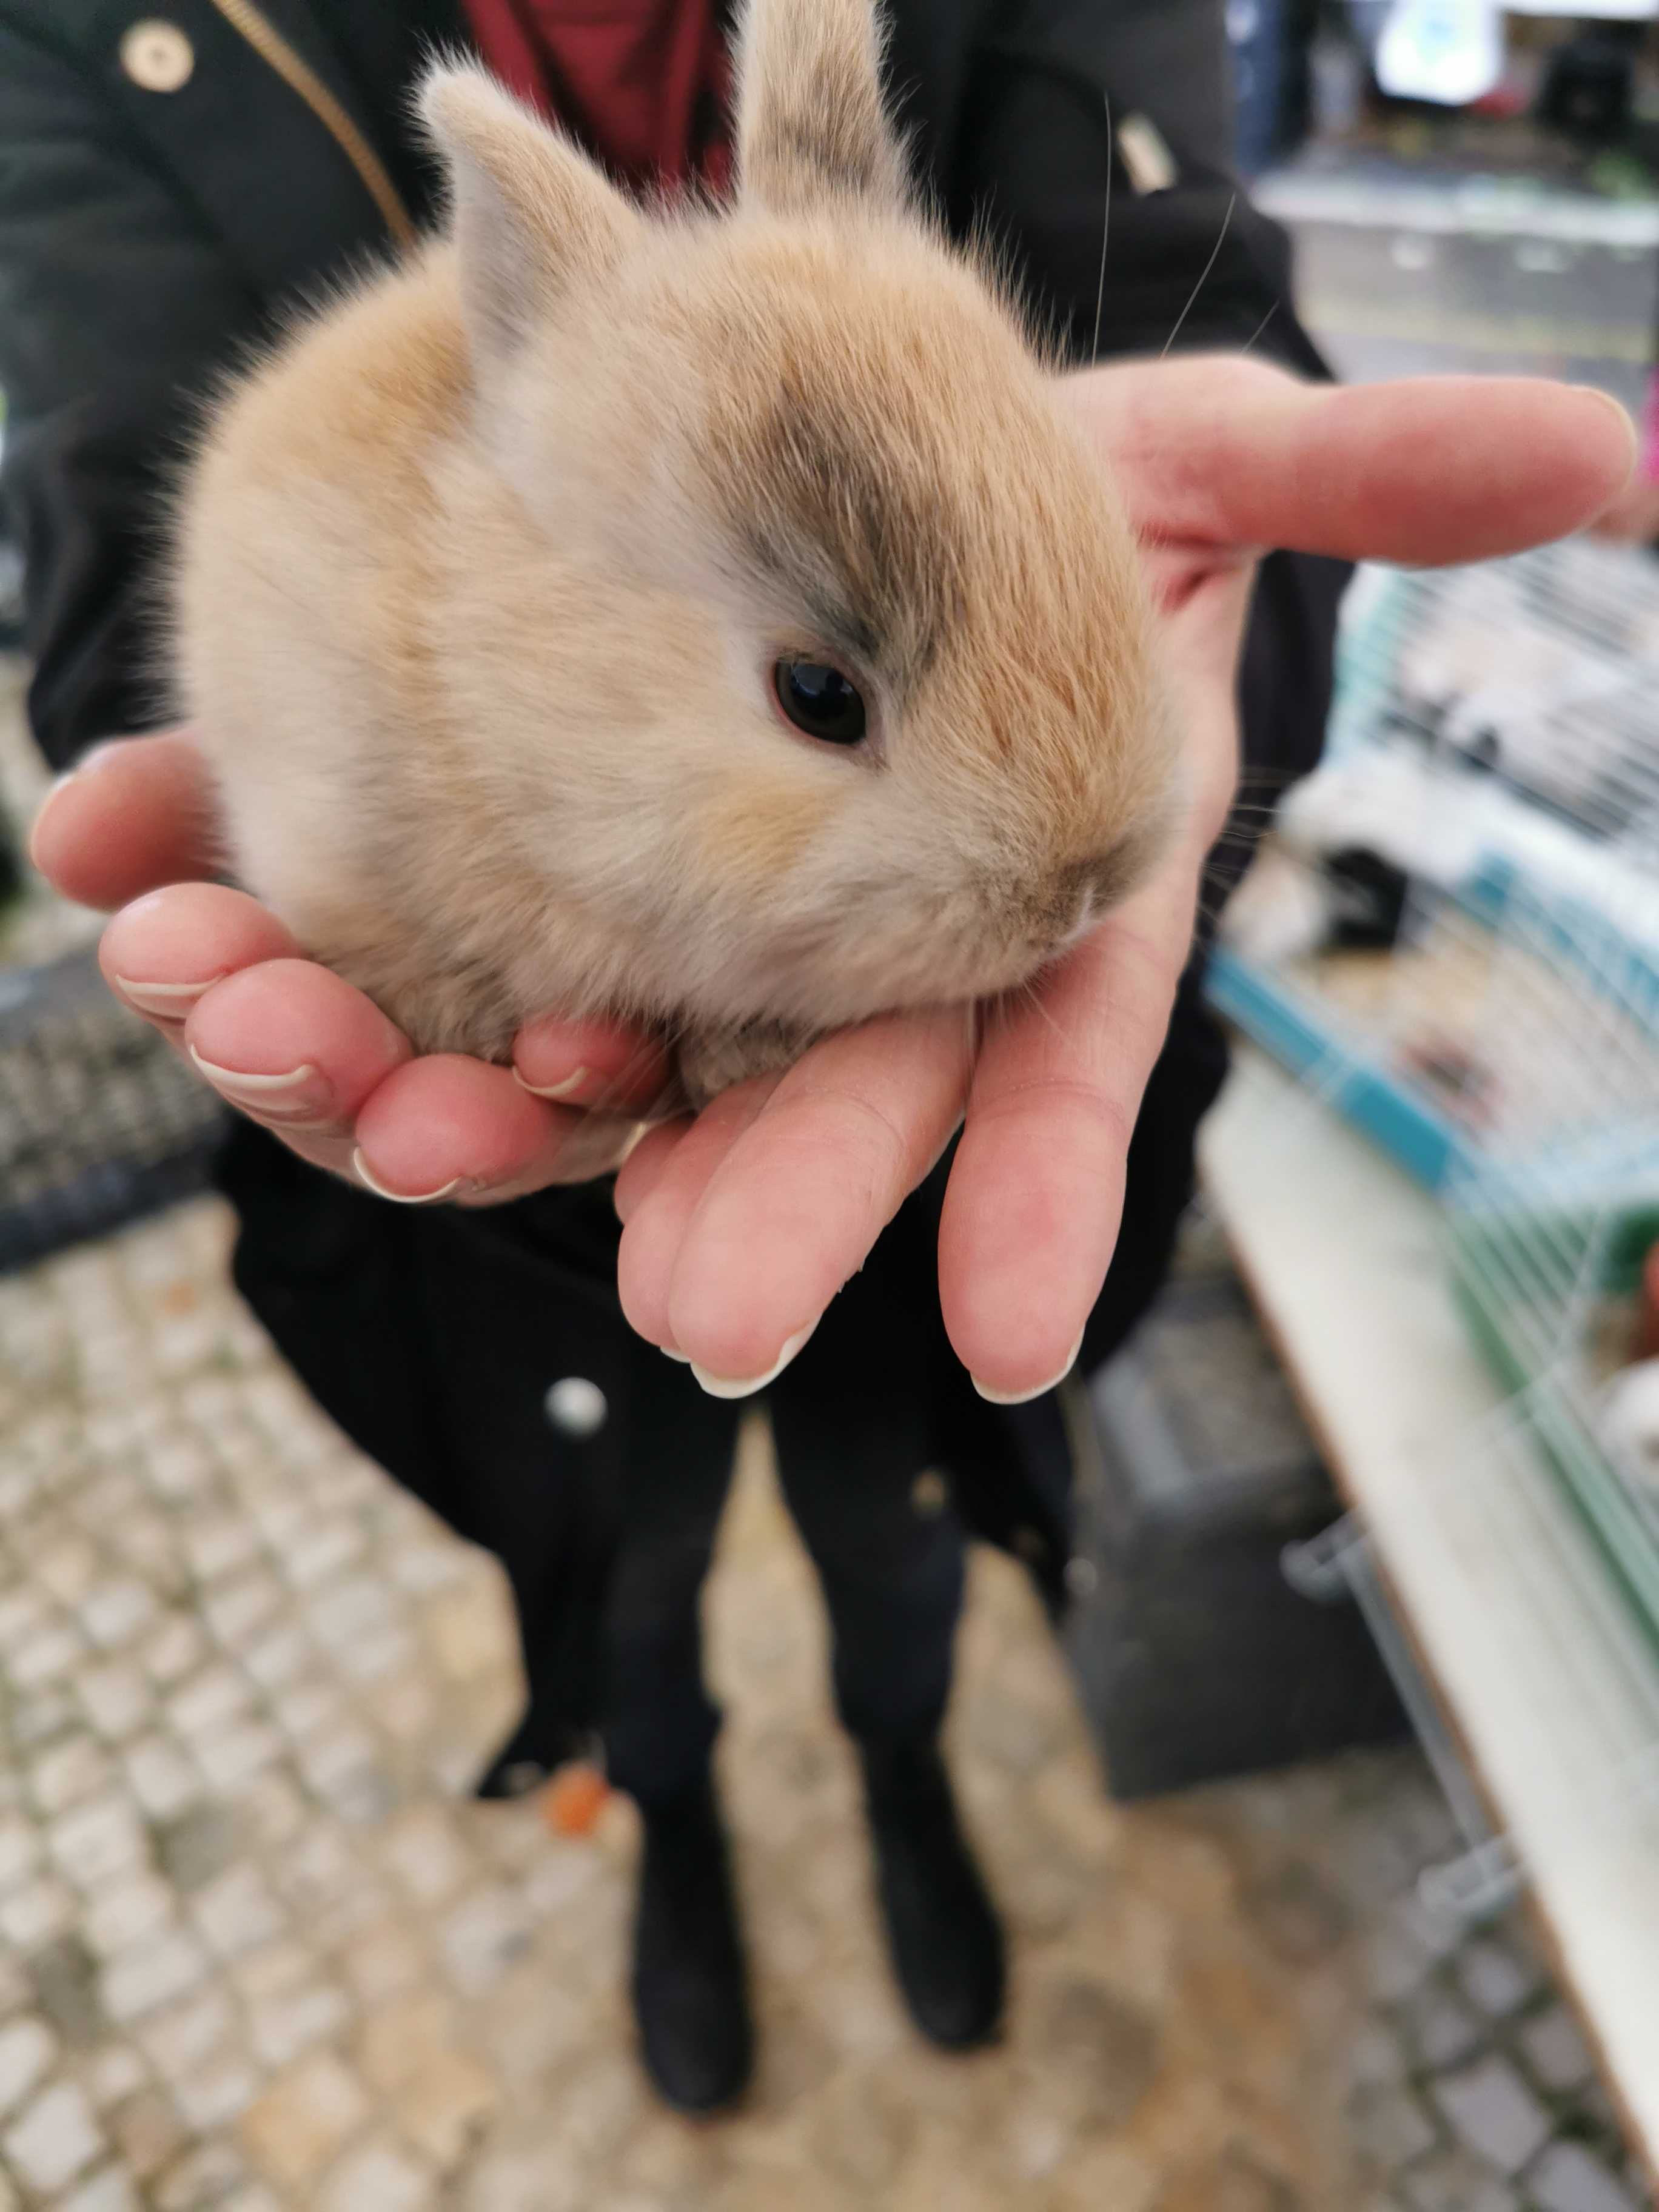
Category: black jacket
[148,235]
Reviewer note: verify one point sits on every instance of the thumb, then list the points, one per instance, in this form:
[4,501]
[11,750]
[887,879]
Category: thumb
[136,813]
[1427,469]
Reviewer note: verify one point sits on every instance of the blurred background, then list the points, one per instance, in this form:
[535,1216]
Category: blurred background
[1329,1840]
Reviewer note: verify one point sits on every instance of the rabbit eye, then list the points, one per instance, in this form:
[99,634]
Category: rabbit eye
[820,701]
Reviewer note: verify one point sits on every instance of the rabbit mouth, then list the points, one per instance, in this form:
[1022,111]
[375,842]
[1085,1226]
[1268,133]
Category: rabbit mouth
[1072,904]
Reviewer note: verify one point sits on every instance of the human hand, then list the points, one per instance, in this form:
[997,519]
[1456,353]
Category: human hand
[287,1042]
[741,1226]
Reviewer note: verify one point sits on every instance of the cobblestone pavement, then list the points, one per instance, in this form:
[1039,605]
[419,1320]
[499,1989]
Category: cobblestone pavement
[263,1952]
[259,1950]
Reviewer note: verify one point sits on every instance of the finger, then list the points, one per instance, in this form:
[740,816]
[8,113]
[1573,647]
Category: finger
[597,1065]
[577,1146]
[163,953]
[292,1046]
[645,1166]
[679,1164]
[1203,634]
[1633,517]
[1035,1193]
[446,1127]
[136,813]
[797,1201]
[182,944]
[1424,470]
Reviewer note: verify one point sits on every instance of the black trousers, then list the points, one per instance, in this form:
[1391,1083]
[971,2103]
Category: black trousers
[879,1524]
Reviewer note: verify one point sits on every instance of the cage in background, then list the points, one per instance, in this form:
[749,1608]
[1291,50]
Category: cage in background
[1548,1251]
[99,1122]
[1495,760]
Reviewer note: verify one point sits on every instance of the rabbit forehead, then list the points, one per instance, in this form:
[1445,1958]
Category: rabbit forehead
[873,433]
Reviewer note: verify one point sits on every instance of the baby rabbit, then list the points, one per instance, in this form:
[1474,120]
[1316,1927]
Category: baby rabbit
[700,615]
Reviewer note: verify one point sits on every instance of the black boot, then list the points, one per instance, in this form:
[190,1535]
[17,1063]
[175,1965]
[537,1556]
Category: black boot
[691,1994]
[942,1928]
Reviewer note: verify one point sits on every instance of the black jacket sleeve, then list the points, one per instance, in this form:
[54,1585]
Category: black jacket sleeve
[115,309]
[1057,83]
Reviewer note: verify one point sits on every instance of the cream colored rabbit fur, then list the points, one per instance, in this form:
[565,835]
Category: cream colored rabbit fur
[484,575]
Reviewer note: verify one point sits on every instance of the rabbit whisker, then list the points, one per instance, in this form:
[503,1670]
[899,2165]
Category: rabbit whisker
[1215,252]
[1260,327]
[1105,231]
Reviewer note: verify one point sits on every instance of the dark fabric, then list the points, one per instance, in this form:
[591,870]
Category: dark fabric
[943,1935]
[850,1422]
[146,239]
[690,1979]
[1033,162]
[643,86]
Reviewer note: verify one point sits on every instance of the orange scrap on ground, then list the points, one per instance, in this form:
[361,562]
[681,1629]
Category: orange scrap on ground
[574,1799]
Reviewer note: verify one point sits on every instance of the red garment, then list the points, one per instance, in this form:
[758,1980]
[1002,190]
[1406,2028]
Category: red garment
[643,84]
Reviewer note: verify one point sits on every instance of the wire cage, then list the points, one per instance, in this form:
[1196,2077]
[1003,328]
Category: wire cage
[1548,1255]
[1496,736]
[1501,724]
[1539,670]
[99,1122]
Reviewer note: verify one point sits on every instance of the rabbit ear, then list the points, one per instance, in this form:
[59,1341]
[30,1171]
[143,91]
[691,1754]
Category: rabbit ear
[532,216]
[811,122]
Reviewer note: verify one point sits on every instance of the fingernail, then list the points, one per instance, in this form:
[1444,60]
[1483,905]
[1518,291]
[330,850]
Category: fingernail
[669,1353]
[172,1001]
[1024,1397]
[41,812]
[105,750]
[635,1137]
[94,756]
[1619,408]
[727,1386]
[568,1089]
[300,1089]
[361,1169]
